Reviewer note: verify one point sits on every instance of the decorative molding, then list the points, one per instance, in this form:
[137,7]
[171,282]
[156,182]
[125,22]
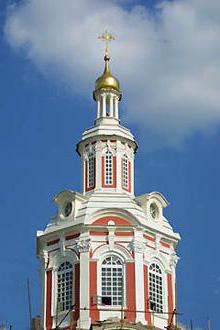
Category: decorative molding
[137,246]
[73,249]
[173,260]
[157,242]
[124,149]
[111,235]
[111,241]
[108,146]
[44,259]
[83,245]
[156,256]
[62,246]
[88,150]
[98,146]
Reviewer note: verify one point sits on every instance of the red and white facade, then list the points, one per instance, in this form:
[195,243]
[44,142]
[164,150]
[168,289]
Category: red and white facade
[106,249]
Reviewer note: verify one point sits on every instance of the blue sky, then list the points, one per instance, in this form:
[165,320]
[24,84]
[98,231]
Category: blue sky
[45,105]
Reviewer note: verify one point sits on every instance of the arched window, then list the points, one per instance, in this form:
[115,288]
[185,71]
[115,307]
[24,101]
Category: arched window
[108,168]
[91,170]
[112,281]
[65,286]
[155,288]
[125,172]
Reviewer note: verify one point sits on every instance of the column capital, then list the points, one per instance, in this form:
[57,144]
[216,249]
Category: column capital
[84,244]
[137,246]
[173,260]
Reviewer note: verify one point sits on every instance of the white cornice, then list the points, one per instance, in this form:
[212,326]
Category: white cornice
[70,195]
[107,128]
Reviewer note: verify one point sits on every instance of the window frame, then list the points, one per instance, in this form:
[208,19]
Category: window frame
[72,287]
[108,168]
[126,173]
[112,272]
[99,282]
[105,182]
[88,185]
[55,264]
[160,307]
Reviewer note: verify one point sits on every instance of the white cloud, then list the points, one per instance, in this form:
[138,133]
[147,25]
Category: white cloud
[168,61]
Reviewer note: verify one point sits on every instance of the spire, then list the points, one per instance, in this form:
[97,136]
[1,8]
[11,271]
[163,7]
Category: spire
[107,92]
[107,80]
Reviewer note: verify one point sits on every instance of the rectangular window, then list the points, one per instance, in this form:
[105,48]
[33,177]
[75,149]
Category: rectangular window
[108,168]
[155,293]
[112,278]
[125,174]
[91,172]
[64,287]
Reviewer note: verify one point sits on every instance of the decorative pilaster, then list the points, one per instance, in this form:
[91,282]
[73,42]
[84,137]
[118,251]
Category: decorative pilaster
[44,259]
[83,246]
[170,296]
[138,251]
[173,262]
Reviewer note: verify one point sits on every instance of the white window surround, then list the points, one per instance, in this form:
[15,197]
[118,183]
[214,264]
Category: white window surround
[91,170]
[65,286]
[125,172]
[112,281]
[155,288]
[55,262]
[99,277]
[150,258]
[55,291]
[108,164]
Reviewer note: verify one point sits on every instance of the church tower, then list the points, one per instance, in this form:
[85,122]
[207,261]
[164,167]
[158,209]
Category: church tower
[108,257]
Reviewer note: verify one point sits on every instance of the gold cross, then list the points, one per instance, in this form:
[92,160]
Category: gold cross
[107,37]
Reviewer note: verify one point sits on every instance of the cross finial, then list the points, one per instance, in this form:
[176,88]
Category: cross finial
[107,37]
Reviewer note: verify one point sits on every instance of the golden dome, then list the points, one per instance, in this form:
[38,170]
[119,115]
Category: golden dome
[107,80]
